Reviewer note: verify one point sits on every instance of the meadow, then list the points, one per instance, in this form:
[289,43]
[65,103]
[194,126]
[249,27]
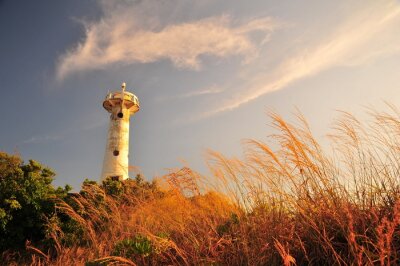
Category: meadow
[288,201]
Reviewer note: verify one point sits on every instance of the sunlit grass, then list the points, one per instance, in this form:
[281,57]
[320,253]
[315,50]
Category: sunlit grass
[294,204]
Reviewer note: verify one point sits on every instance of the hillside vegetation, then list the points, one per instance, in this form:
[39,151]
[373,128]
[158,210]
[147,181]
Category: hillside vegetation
[288,203]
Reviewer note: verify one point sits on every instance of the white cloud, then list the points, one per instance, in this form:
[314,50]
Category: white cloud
[124,36]
[372,31]
[201,92]
[209,90]
[42,139]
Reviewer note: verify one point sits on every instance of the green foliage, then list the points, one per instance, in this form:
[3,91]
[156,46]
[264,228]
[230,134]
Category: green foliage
[139,245]
[96,263]
[141,188]
[27,200]
[88,182]
[91,189]
[73,233]
[137,187]
[113,187]
[226,227]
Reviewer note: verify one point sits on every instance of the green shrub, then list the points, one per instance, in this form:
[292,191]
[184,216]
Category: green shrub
[27,200]
[140,245]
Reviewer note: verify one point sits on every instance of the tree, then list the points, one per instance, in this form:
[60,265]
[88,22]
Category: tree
[27,200]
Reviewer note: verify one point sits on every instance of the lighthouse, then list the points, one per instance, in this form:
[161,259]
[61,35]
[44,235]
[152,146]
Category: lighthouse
[121,105]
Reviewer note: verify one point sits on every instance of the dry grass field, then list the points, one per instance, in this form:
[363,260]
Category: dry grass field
[288,203]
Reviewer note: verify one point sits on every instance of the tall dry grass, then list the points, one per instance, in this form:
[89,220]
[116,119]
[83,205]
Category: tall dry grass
[290,204]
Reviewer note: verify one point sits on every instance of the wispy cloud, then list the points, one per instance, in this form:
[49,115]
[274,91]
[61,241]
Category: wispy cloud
[210,90]
[120,37]
[201,92]
[42,139]
[372,31]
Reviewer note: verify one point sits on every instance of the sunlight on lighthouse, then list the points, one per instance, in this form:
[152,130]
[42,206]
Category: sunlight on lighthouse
[121,105]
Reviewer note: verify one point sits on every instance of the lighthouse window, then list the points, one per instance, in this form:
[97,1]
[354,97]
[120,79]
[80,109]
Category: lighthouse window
[120,115]
[116,152]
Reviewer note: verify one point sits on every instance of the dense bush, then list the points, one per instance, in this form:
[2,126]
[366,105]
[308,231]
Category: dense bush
[27,201]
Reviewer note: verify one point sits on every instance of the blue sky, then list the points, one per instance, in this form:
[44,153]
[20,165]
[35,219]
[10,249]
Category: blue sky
[206,72]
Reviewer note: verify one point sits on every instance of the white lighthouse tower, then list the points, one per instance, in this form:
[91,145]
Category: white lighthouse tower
[121,105]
